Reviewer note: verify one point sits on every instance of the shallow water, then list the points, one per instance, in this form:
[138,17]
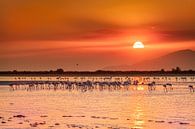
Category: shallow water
[124,109]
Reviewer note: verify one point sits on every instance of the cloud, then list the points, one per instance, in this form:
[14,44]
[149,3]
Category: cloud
[177,35]
[68,20]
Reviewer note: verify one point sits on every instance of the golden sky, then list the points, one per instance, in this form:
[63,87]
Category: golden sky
[48,34]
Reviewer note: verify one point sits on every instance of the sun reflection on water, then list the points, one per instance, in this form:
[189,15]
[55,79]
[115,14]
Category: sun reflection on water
[140,88]
[138,117]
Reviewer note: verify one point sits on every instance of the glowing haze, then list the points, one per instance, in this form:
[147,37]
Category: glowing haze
[50,34]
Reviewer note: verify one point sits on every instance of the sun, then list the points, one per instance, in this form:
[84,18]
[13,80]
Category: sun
[138,44]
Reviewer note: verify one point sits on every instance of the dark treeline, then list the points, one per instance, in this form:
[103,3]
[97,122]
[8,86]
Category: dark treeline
[61,72]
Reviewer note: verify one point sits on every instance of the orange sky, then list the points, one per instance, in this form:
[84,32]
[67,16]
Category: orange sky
[50,34]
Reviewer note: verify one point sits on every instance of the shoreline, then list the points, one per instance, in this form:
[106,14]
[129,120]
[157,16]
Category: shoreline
[95,74]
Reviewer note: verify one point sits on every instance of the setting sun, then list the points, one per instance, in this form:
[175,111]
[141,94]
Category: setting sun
[138,44]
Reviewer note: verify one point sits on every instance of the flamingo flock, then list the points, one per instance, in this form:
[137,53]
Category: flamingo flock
[67,85]
[87,85]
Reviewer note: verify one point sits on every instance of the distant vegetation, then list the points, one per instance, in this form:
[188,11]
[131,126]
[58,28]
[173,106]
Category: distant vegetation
[60,71]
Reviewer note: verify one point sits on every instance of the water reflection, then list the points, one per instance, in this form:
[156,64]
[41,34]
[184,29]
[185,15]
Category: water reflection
[138,117]
[140,88]
[96,106]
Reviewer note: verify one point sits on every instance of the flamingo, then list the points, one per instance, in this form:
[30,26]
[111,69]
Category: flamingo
[191,88]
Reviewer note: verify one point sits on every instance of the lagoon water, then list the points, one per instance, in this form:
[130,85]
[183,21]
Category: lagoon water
[132,108]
